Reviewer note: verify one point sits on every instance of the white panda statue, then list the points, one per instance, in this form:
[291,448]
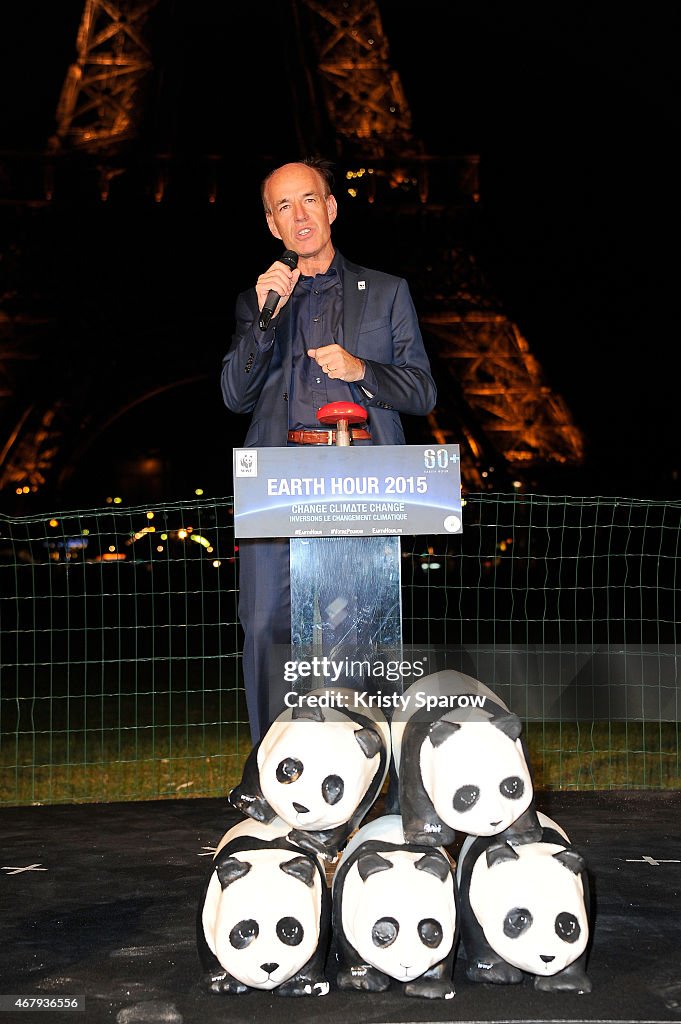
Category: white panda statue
[394,913]
[461,763]
[525,911]
[264,918]
[320,767]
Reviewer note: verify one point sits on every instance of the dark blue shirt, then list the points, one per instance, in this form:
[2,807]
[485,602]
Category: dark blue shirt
[317,320]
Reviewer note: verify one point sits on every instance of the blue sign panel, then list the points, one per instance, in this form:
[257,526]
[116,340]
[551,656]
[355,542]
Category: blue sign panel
[331,491]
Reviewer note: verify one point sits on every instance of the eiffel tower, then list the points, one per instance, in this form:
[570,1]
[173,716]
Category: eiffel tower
[493,398]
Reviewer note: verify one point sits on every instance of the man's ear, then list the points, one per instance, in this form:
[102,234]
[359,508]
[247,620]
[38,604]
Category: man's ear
[331,207]
[272,226]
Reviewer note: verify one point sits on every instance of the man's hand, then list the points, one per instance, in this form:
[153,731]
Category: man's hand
[280,279]
[337,363]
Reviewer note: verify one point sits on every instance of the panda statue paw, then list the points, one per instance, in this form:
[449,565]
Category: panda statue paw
[362,978]
[426,988]
[304,985]
[496,972]
[223,984]
[323,843]
[565,981]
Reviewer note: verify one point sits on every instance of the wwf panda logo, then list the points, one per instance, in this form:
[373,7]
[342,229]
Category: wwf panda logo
[264,916]
[394,913]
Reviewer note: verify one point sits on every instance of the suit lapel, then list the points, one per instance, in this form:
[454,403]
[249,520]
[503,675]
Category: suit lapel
[354,301]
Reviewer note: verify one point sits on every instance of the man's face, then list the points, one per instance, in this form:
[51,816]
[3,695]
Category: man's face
[299,214]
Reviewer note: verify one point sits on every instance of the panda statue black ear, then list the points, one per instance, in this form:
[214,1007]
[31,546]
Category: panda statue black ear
[434,864]
[497,853]
[232,869]
[510,725]
[301,868]
[572,860]
[441,730]
[369,863]
[370,742]
[305,713]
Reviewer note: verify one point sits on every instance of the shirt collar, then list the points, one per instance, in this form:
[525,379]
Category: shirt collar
[330,275]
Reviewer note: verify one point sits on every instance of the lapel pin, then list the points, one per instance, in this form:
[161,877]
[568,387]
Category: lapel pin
[361,285]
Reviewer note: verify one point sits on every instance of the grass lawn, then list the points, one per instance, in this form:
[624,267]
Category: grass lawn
[196,760]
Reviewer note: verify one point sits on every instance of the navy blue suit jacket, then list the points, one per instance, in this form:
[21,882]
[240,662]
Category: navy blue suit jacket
[380,326]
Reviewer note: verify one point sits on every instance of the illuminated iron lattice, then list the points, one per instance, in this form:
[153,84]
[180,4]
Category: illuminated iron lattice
[98,107]
[516,415]
[363,94]
[498,406]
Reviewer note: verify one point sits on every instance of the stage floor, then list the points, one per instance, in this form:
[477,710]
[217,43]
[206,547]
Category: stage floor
[99,901]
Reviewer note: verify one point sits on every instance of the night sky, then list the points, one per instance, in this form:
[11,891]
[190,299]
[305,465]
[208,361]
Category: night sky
[573,111]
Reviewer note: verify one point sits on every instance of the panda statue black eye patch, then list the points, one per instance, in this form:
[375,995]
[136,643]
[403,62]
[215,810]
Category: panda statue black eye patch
[465,798]
[289,770]
[430,932]
[290,931]
[567,927]
[333,788]
[384,932]
[243,933]
[516,922]
[512,787]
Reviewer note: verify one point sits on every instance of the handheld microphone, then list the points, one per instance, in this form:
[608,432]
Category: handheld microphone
[290,258]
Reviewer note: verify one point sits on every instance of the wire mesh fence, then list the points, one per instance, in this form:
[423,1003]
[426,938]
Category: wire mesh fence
[120,644]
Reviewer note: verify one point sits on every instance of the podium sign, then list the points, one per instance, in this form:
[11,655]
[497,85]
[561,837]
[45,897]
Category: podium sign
[362,491]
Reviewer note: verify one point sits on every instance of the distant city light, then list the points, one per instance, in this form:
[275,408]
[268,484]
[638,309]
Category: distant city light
[141,533]
[200,540]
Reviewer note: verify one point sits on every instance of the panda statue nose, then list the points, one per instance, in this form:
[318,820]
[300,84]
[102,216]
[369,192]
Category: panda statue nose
[300,808]
[546,959]
[269,968]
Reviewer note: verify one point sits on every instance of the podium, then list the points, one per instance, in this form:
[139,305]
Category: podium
[344,509]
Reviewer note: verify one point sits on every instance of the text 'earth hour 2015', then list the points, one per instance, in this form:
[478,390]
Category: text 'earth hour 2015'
[344,486]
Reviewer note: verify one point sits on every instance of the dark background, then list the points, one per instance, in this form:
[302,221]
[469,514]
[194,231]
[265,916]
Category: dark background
[573,112]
